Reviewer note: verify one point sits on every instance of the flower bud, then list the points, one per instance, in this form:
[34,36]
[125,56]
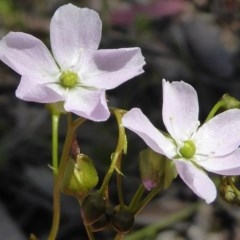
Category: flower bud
[80,176]
[228,190]
[155,169]
[230,102]
[122,220]
[93,208]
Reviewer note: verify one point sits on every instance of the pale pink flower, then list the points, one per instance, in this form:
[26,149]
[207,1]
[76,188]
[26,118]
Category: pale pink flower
[193,148]
[77,74]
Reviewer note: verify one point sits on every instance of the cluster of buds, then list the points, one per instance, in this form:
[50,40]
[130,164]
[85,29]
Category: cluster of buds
[99,214]
[79,180]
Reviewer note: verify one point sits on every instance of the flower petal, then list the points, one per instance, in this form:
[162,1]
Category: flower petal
[218,136]
[180,109]
[107,69]
[27,56]
[88,103]
[227,165]
[197,180]
[29,90]
[73,29]
[136,121]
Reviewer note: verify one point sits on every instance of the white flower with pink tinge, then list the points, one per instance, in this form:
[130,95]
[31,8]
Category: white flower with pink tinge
[212,146]
[78,73]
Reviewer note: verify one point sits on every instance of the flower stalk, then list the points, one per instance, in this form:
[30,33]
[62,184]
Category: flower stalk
[117,155]
[71,128]
[215,109]
[55,125]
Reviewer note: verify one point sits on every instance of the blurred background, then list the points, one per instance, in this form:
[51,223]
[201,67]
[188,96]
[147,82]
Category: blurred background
[196,41]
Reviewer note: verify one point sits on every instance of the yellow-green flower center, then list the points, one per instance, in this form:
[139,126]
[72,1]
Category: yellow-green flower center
[188,149]
[69,79]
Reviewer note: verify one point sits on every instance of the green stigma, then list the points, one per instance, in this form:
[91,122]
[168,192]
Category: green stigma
[188,149]
[68,79]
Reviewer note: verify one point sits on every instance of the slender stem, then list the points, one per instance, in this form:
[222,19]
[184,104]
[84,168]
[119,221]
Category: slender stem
[56,216]
[59,177]
[136,198]
[55,124]
[77,122]
[152,229]
[146,200]
[118,152]
[89,232]
[119,182]
[214,110]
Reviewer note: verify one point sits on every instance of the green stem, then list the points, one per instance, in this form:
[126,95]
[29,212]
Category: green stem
[119,182]
[214,110]
[146,200]
[77,122]
[118,152]
[55,124]
[152,229]
[136,198]
[58,180]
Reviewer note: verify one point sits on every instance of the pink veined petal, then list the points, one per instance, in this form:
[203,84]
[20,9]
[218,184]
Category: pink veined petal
[72,30]
[137,122]
[218,136]
[180,109]
[197,180]
[29,90]
[107,69]
[88,103]
[227,165]
[28,56]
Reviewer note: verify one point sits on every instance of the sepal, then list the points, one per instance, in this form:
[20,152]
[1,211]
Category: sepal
[80,176]
[155,169]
